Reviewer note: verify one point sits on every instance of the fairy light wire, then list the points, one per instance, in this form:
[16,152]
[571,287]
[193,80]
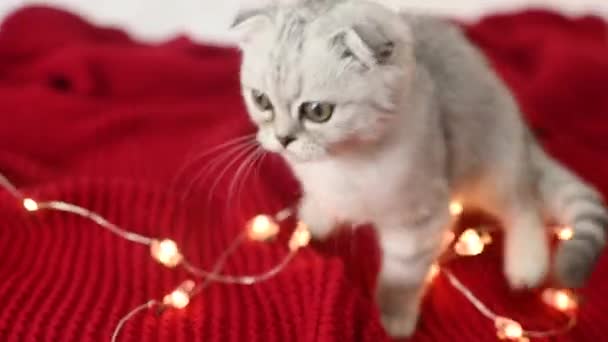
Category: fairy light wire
[244,279]
[212,276]
[221,261]
[198,288]
[553,332]
[299,238]
[96,218]
[143,307]
[488,313]
[8,186]
[209,276]
[145,240]
[468,294]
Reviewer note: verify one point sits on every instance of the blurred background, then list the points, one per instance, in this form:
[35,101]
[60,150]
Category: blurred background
[207,19]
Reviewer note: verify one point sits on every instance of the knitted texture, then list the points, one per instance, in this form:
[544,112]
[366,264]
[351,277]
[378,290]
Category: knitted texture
[91,117]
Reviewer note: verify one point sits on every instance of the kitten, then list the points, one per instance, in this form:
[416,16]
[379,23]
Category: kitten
[385,118]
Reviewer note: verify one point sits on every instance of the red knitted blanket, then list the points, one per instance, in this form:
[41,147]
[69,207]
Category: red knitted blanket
[92,117]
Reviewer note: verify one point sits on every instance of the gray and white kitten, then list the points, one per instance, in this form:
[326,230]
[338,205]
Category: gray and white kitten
[385,118]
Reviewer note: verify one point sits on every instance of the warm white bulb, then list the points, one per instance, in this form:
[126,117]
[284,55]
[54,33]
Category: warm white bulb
[177,299]
[433,273]
[486,238]
[180,297]
[166,252]
[508,329]
[262,228]
[456,208]
[300,237]
[565,233]
[562,300]
[470,242]
[448,238]
[283,214]
[30,205]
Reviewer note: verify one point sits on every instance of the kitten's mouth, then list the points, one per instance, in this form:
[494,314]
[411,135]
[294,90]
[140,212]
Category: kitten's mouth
[293,157]
[299,159]
[285,153]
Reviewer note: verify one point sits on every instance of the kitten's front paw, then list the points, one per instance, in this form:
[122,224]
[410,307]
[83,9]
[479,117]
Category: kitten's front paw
[527,268]
[399,307]
[400,325]
[319,224]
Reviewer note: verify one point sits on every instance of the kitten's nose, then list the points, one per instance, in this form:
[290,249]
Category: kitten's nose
[285,139]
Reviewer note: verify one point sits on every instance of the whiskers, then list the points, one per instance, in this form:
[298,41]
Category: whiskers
[252,162]
[216,154]
[239,156]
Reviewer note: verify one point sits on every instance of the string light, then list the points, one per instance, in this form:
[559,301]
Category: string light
[562,300]
[564,233]
[456,208]
[433,273]
[284,214]
[262,228]
[300,237]
[166,252]
[145,306]
[508,329]
[471,242]
[448,238]
[486,237]
[180,297]
[30,205]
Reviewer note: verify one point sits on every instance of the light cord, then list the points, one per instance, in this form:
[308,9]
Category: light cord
[488,313]
[8,186]
[470,242]
[478,304]
[96,218]
[145,306]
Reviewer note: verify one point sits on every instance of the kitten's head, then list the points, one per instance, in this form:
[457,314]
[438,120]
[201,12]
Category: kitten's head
[323,77]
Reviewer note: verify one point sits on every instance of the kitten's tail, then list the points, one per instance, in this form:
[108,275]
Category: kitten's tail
[572,202]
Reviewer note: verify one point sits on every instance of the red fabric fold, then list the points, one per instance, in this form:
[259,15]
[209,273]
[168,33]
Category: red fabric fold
[120,127]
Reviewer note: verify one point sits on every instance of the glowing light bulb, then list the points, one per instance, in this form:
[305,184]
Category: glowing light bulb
[283,214]
[300,237]
[30,205]
[448,238]
[470,242]
[486,238]
[508,329]
[262,228]
[177,299]
[433,273]
[180,297]
[565,233]
[456,208]
[166,252]
[562,300]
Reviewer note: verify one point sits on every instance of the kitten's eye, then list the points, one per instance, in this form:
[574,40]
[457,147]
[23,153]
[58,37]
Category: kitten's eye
[261,100]
[318,112]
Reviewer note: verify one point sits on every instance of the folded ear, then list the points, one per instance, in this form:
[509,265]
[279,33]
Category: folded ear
[366,44]
[248,24]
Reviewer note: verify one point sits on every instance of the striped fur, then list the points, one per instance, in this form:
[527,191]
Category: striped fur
[572,202]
